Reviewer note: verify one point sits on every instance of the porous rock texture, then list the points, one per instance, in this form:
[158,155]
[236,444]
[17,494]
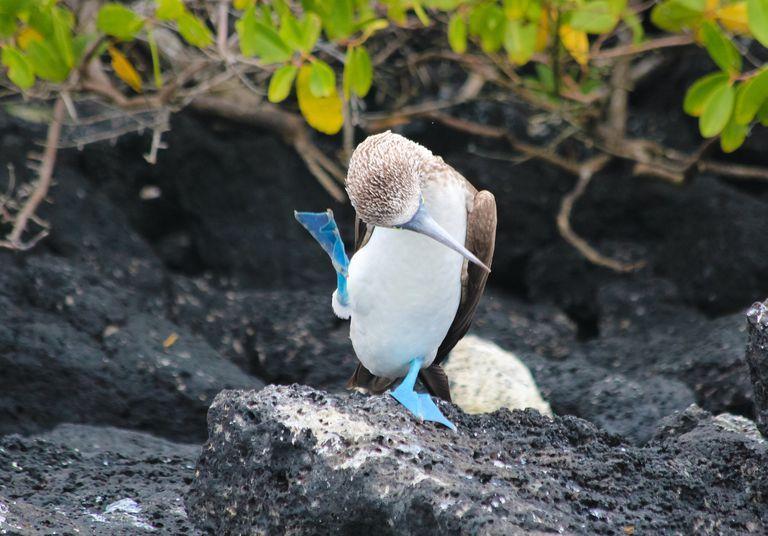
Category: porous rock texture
[293,460]
[79,479]
[757,358]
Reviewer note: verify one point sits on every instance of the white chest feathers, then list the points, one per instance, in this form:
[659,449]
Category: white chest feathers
[405,288]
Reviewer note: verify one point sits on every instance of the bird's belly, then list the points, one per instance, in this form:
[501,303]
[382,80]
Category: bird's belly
[404,292]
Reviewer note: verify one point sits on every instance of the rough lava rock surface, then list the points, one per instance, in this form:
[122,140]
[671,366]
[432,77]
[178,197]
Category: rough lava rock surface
[757,358]
[293,460]
[79,479]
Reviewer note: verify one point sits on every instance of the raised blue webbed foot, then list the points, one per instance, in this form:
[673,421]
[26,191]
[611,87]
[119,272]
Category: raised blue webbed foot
[323,228]
[420,404]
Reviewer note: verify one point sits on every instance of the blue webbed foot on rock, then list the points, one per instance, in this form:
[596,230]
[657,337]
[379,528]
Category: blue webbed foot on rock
[420,404]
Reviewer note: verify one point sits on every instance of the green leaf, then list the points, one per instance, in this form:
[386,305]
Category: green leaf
[421,14]
[457,33]
[7,26]
[155,55]
[674,15]
[757,15]
[118,21]
[617,6]
[697,95]
[722,51]
[338,21]
[631,19]
[322,79]
[194,31]
[169,9]
[753,94]
[358,72]
[546,77]
[520,41]
[13,7]
[717,111]
[594,17]
[733,136]
[310,27]
[62,34]
[300,35]
[46,61]
[20,71]
[281,82]
[492,32]
[762,114]
[258,39]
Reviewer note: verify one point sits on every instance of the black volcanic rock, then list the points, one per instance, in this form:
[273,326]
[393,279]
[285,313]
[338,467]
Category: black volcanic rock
[89,480]
[299,461]
[757,358]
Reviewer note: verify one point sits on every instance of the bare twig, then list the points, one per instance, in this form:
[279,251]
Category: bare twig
[14,239]
[735,171]
[587,171]
[654,44]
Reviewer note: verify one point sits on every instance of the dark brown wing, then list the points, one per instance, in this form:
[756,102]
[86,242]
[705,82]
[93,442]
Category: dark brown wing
[481,240]
[362,233]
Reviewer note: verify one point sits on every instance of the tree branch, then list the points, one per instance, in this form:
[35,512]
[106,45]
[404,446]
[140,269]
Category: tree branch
[45,177]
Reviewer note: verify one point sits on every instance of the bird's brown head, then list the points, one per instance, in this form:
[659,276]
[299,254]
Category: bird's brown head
[384,185]
[383,181]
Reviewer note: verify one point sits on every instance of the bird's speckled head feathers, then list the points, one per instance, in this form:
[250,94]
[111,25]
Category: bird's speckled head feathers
[384,177]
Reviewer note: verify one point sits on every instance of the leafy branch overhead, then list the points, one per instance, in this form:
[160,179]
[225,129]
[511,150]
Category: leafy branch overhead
[319,47]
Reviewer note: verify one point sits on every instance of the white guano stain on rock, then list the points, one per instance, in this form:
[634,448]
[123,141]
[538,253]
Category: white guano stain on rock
[485,377]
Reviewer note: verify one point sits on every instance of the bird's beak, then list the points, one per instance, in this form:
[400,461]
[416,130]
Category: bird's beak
[424,224]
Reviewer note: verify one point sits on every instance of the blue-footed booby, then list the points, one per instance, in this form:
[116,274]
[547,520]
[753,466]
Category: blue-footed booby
[424,242]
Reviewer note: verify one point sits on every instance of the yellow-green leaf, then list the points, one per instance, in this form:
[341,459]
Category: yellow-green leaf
[702,89]
[20,71]
[576,43]
[125,70]
[322,79]
[243,4]
[169,9]
[281,82]
[26,36]
[118,21]
[733,17]
[757,11]
[720,48]
[520,41]
[594,17]
[322,113]
[515,9]
[733,136]
[194,31]
[717,111]
[752,95]
[457,33]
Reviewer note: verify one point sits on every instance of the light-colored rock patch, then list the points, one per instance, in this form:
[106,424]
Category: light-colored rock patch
[485,377]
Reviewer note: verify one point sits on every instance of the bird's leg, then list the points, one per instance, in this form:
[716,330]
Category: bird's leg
[420,404]
[323,228]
